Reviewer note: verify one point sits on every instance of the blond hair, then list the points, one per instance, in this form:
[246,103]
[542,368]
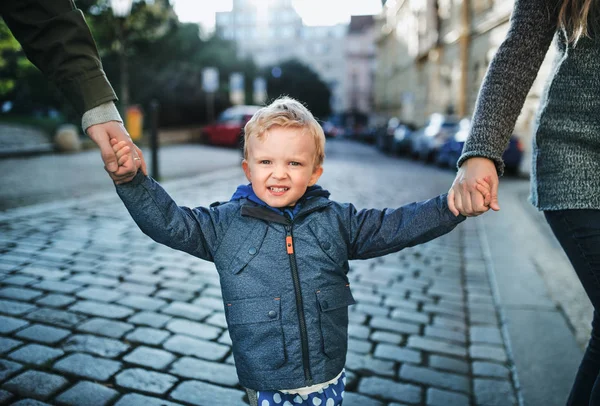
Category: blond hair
[574,17]
[287,113]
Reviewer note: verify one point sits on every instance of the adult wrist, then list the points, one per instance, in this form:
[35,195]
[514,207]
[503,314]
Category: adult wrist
[100,114]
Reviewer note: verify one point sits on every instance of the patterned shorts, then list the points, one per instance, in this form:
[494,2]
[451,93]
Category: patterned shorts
[331,395]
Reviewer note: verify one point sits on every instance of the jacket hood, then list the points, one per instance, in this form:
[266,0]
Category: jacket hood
[246,192]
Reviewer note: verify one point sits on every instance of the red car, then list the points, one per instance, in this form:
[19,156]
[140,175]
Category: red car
[227,130]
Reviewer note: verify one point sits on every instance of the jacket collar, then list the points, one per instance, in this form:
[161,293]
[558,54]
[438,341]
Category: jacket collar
[313,199]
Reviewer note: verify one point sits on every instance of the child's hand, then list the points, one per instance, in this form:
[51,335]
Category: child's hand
[124,156]
[484,187]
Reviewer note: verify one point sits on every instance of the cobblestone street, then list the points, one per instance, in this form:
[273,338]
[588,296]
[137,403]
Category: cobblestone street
[92,312]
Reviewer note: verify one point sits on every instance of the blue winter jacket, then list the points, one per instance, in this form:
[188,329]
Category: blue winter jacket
[284,283]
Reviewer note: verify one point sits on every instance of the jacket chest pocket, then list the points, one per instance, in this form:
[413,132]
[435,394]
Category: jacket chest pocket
[256,333]
[333,318]
[329,244]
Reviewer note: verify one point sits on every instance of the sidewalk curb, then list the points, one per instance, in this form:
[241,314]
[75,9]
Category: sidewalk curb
[491,273]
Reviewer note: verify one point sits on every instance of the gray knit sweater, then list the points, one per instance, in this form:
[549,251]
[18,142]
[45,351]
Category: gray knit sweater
[566,146]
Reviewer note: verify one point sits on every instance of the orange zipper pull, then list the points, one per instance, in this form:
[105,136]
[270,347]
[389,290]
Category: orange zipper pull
[289,244]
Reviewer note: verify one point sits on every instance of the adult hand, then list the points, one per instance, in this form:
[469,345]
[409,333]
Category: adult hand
[463,197]
[101,135]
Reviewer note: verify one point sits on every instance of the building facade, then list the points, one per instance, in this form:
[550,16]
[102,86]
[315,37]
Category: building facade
[274,32]
[436,54]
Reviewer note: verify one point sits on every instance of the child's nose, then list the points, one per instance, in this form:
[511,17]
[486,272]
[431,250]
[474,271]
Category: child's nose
[279,172]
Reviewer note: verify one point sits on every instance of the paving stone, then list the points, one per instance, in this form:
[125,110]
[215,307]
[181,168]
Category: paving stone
[57,317]
[87,366]
[225,338]
[43,334]
[147,335]
[438,397]
[199,348]
[87,393]
[142,302]
[89,279]
[23,294]
[490,369]
[110,328]
[449,364]
[100,294]
[217,319]
[35,354]
[149,357]
[486,335]
[15,308]
[359,346]
[372,310]
[221,374]
[5,397]
[484,318]
[385,337]
[436,346]
[45,273]
[194,329]
[453,324]
[149,319]
[488,352]
[357,331]
[174,295]
[207,302]
[491,392]
[382,323]
[107,310]
[357,318]
[201,393]
[446,334]
[183,286]
[446,309]
[29,402]
[104,347]
[55,300]
[35,384]
[136,288]
[145,381]
[387,389]
[186,311]
[395,353]
[133,399]
[56,286]
[10,324]
[355,399]
[19,280]
[7,344]
[410,316]
[365,363]
[428,376]
[8,368]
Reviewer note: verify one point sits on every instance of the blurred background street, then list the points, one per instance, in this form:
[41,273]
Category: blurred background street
[92,312]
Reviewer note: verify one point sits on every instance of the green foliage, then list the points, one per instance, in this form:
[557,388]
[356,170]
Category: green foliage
[165,60]
[300,82]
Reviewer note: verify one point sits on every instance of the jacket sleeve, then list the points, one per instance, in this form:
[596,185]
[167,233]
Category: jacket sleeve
[509,79]
[58,41]
[374,233]
[189,230]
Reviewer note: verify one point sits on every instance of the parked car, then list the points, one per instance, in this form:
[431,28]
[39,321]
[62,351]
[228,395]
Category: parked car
[384,136]
[428,140]
[402,139]
[228,129]
[451,151]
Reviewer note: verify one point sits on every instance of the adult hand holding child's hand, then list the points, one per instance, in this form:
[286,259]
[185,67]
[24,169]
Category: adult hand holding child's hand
[464,197]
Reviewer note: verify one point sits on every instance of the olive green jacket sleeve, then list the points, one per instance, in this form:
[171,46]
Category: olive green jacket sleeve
[57,39]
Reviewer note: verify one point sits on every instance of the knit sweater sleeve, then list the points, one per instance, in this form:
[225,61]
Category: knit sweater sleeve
[509,78]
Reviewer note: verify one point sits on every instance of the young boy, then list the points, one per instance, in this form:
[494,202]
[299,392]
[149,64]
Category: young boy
[281,249]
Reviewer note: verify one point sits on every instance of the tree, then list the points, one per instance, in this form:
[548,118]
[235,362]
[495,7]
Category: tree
[293,78]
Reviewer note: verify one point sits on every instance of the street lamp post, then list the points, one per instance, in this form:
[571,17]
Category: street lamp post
[121,10]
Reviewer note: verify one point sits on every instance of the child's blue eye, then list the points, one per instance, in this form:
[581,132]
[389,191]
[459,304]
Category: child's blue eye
[295,163]
[265,162]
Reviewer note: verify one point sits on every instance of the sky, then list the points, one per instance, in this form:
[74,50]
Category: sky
[313,12]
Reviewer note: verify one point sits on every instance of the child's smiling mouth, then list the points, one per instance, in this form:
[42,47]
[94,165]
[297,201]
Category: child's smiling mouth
[278,191]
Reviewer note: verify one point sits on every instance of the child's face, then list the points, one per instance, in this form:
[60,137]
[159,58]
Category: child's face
[281,165]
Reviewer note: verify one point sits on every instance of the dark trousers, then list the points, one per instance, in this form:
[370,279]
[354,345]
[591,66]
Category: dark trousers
[578,232]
